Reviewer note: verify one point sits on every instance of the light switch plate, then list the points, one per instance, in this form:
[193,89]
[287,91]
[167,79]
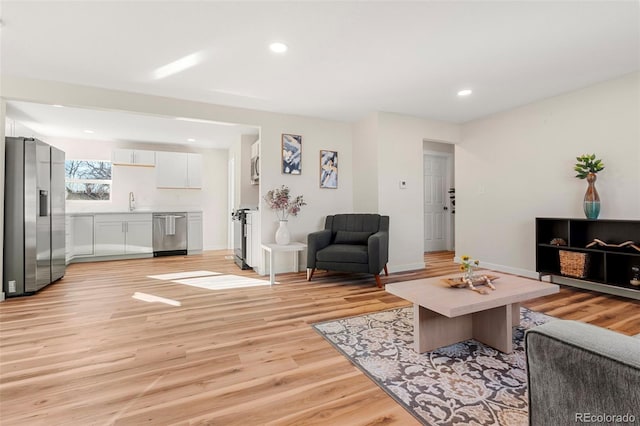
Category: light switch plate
[403,184]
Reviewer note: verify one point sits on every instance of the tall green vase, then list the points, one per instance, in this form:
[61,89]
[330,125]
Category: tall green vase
[591,198]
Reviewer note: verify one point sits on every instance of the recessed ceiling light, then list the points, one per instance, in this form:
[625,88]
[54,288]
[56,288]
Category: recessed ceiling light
[191,140]
[465,92]
[278,47]
[89,131]
[57,106]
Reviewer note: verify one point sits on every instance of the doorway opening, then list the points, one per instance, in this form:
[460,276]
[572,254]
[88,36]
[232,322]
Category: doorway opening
[439,196]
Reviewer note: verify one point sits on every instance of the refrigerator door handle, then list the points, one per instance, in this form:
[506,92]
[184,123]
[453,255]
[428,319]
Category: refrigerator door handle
[43,201]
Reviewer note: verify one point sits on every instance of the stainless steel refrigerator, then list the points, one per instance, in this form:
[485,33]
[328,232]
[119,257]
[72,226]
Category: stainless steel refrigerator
[34,222]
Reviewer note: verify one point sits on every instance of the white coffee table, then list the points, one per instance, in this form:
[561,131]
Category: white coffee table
[272,248]
[443,315]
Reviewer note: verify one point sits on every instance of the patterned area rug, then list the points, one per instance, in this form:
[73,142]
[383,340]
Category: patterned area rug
[467,383]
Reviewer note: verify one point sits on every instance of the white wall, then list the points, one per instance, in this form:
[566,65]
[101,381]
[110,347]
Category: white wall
[211,199]
[400,157]
[517,165]
[316,135]
[448,148]
[365,165]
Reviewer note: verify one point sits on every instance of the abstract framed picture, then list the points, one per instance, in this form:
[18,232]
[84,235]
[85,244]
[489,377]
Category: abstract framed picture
[328,169]
[291,154]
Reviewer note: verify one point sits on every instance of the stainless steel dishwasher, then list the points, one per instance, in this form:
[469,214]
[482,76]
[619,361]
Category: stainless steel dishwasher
[169,234]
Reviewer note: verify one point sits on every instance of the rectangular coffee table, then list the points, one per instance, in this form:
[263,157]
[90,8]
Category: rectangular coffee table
[444,315]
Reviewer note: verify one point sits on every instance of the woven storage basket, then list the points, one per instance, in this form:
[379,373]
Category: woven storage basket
[574,264]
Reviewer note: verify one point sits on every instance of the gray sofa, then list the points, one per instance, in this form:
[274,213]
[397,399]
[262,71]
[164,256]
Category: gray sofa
[578,373]
[350,243]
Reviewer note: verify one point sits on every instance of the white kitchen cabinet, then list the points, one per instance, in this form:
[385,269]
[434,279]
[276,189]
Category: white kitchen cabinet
[194,170]
[109,237]
[178,170]
[121,234]
[133,157]
[254,251]
[194,233]
[81,236]
[171,169]
[138,237]
[68,241]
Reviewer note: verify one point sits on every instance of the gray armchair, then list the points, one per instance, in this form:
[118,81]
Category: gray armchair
[350,243]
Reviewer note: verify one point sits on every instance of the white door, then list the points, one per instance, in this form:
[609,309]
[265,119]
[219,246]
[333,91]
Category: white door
[435,203]
[231,200]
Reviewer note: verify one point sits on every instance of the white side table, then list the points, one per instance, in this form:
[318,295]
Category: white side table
[272,248]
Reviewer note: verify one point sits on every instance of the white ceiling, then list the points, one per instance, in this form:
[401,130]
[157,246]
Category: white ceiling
[67,122]
[345,59]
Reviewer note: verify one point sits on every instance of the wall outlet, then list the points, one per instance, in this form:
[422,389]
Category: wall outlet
[403,184]
[12,286]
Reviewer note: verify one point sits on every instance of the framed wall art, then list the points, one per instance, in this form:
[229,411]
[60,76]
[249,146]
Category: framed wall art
[328,169]
[291,154]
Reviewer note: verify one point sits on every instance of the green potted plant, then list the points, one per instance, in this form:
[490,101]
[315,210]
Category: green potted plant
[587,168]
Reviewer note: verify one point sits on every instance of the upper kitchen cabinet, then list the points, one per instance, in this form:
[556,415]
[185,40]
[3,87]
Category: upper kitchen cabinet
[178,170]
[194,170]
[133,157]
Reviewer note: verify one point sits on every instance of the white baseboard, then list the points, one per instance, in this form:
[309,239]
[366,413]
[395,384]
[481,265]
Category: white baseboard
[405,267]
[503,268]
[1,296]
[217,247]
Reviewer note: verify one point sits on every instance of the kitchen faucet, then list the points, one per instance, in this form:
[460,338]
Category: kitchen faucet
[132,202]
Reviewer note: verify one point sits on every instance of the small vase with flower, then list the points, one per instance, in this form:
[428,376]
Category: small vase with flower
[280,201]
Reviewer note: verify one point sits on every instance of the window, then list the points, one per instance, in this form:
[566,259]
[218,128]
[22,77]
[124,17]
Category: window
[88,180]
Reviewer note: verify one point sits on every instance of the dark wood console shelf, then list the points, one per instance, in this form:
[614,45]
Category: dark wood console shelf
[609,267]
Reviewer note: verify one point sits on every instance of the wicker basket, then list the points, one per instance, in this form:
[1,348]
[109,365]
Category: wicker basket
[574,264]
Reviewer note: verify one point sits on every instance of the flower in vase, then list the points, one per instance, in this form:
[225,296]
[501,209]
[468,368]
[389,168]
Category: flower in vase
[280,201]
[467,266]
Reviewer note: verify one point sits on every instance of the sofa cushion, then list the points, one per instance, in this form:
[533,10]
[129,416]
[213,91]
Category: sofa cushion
[352,237]
[342,253]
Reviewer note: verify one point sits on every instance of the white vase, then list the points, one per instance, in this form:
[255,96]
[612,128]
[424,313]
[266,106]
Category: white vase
[283,237]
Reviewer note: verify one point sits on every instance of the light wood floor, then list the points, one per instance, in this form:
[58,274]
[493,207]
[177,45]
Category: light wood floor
[84,352]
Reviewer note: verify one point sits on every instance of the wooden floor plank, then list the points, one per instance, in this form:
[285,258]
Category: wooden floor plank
[84,351]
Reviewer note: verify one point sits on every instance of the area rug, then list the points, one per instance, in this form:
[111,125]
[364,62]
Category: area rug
[467,383]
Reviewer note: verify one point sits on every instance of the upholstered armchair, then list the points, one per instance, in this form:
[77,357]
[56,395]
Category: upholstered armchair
[350,243]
